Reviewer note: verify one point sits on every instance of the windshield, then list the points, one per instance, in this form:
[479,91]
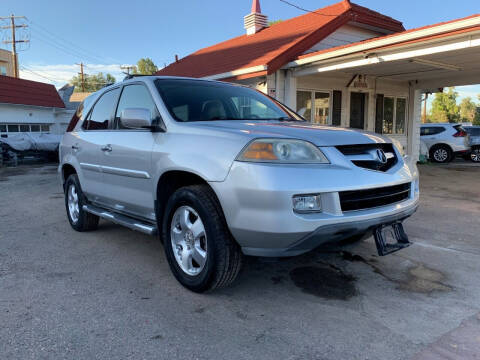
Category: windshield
[197,100]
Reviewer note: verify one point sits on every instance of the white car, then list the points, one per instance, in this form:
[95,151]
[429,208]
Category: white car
[444,141]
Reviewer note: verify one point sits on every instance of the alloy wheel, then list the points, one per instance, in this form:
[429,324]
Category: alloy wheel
[475,155]
[189,240]
[440,155]
[73,205]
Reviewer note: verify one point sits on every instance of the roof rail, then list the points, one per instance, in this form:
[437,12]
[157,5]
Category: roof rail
[131,76]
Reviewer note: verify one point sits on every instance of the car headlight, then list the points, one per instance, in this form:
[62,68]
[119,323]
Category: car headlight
[287,151]
[399,146]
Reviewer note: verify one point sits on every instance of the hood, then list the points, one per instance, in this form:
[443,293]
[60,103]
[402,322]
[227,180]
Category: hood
[319,135]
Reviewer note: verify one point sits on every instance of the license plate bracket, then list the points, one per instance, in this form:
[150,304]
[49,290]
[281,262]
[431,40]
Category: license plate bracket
[390,238]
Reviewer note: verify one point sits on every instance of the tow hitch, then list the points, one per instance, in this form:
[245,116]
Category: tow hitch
[390,238]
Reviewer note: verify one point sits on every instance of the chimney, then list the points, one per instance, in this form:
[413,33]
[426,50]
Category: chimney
[255,21]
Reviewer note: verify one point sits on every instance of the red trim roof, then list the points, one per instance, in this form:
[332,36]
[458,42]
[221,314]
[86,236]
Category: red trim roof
[278,44]
[26,92]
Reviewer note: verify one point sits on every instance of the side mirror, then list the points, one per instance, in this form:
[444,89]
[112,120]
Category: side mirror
[136,118]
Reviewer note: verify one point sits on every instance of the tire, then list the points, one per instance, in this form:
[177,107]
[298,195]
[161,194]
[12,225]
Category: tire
[475,154]
[202,261]
[79,219]
[441,154]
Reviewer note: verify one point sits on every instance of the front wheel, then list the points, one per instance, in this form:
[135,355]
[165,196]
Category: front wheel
[199,248]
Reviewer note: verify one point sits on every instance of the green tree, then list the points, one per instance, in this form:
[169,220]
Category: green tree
[145,66]
[468,110]
[92,82]
[445,108]
[273,22]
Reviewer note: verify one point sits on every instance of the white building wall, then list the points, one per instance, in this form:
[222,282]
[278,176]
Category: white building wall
[346,34]
[23,114]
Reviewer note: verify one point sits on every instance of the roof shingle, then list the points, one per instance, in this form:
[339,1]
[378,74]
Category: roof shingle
[27,92]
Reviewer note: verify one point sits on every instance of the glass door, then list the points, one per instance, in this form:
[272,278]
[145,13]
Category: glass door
[314,106]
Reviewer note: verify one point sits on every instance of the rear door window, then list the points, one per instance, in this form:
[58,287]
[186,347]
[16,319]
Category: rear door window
[101,115]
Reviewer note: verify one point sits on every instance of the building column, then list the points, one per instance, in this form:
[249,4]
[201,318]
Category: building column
[290,90]
[371,110]
[345,122]
[414,120]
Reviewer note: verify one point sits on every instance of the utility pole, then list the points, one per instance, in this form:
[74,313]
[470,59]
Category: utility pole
[128,68]
[82,76]
[424,120]
[14,41]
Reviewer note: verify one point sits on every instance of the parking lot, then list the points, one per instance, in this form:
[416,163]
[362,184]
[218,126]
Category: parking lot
[110,293]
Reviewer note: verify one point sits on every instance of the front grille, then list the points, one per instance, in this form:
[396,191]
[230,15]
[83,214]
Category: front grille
[371,198]
[364,155]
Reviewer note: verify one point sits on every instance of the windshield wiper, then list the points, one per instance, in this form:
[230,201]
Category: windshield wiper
[285,118]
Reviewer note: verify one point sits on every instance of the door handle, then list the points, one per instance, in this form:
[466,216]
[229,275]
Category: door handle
[75,147]
[107,148]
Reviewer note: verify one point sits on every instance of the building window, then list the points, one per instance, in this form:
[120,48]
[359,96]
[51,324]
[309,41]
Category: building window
[15,128]
[319,113]
[3,70]
[391,115]
[304,104]
[12,128]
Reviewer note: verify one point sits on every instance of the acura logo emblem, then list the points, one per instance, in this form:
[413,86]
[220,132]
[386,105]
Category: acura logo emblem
[382,158]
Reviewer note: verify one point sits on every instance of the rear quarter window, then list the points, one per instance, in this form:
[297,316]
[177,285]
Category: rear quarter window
[431,130]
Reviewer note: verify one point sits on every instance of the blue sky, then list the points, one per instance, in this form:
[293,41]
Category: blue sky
[104,34]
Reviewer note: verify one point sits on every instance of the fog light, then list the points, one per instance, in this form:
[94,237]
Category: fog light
[307,203]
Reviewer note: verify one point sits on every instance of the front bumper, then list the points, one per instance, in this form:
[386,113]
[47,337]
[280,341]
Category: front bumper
[257,203]
[330,233]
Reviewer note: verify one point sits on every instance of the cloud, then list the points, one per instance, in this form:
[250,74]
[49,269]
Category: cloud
[468,91]
[61,74]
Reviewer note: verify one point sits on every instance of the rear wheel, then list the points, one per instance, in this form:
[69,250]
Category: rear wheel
[199,248]
[475,155]
[441,154]
[79,219]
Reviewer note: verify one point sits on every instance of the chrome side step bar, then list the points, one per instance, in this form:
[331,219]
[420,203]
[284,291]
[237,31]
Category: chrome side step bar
[123,220]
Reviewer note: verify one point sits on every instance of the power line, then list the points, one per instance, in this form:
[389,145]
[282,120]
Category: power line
[306,10]
[37,74]
[24,68]
[69,44]
[53,43]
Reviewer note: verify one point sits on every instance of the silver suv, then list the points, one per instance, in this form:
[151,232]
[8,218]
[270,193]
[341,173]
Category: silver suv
[444,141]
[220,171]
